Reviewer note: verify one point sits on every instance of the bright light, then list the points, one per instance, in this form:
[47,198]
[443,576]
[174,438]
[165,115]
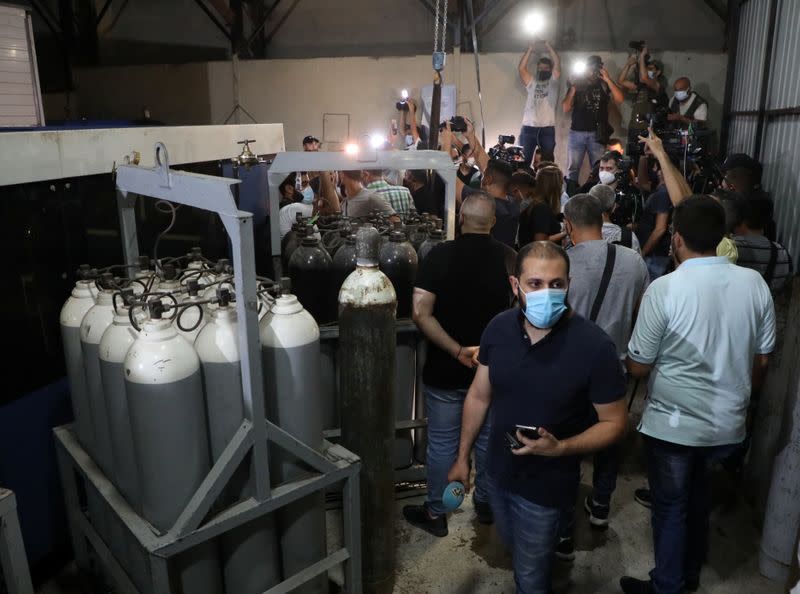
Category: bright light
[377,141]
[351,148]
[404,94]
[533,23]
[579,68]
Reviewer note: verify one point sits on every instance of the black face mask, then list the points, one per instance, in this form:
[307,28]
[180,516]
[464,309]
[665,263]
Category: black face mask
[544,75]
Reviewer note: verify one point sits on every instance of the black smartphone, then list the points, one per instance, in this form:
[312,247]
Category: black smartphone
[513,442]
[528,432]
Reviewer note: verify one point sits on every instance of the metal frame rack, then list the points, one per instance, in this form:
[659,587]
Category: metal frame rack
[12,550]
[335,464]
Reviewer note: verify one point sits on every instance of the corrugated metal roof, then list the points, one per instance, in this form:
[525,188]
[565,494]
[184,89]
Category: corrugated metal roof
[784,88]
[750,53]
[742,134]
[781,153]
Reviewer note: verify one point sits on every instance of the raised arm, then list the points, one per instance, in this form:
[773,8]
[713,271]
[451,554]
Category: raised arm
[616,93]
[412,119]
[330,201]
[481,156]
[624,75]
[525,76]
[651,83]
[556,60]
[677,186]
[569,100]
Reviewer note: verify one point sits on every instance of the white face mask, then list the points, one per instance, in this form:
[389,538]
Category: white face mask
[607,178]
[681,95]
[409,140]
[651,74]
[471,161]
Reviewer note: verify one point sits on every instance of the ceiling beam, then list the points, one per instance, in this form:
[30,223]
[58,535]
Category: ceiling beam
[280,22]
[214,19]
[717,10]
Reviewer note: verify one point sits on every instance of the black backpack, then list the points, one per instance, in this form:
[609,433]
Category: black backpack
[626,240]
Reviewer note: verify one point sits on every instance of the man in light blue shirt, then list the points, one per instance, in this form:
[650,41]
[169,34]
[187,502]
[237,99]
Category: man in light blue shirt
[703,335]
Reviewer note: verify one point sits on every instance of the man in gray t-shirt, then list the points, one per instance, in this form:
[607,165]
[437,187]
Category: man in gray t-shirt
[615,314]
[539,118]
[360,202]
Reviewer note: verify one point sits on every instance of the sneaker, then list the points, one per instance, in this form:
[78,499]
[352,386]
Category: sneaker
[631,585]
[565,551]
[484,512]
[417,515]
[643,497]
[598,514]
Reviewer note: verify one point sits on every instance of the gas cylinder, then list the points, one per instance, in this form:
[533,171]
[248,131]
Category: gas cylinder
[221,278]
[265,299]
[169,282]
[417,234]
[291,355]
[74,309]
[168,422]
[399,262]
[344,262]
[367,304]
[310,271]
[436,237]
[291,241]
[191,319]
[196,267]
[334,239]
[250,559]
[114,345]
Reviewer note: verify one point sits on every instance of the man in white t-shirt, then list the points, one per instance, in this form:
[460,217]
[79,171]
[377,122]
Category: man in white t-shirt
[687,107]
[539,118]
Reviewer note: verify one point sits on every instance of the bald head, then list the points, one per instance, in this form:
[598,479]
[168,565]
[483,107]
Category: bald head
[682,84]
[477,213]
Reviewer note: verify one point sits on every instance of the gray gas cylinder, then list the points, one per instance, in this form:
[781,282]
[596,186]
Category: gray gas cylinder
[250,556]
[436,237]
[164,387]
[191,319]
[74,309]
[114,345]
[367,306]
[291,355]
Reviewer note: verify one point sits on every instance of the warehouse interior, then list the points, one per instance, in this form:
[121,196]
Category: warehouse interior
[255,291]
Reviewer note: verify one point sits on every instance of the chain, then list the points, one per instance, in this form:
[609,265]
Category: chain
[440,16]
[444,26]
[436,27]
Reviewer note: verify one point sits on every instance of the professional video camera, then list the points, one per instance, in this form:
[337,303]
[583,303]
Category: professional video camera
[639,46]
[513,155]
[457,124]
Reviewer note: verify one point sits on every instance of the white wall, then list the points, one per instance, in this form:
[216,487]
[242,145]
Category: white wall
[297,92]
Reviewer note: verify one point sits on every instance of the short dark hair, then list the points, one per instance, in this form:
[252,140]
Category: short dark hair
[500,171]
[418,175]
[546,60]
[755,213]
[354,174]
[309,139]
[700,220]
[744,179]
[615,156]
[544,250]
[520,178]
[584,211]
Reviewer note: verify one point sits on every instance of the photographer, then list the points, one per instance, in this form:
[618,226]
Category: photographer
[588,99]
[411,133]
[539,118]
[687,107]
[647,89]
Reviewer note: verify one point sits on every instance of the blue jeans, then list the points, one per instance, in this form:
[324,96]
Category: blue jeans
[604,482]
[679,487]
[581,143]
[443,409]
[530,532]
[657,266]
[545,138]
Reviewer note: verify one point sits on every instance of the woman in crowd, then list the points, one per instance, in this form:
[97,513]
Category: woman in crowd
[539,219]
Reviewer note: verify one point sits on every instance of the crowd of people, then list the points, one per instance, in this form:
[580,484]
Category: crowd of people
[554,297]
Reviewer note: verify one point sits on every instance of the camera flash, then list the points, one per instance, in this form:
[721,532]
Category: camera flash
[533,23]
[377,140]
[579,68]
[404,94]
[351,148]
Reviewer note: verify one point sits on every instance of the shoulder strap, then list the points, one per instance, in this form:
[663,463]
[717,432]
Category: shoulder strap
[769,274]
[604,282]
[626,240]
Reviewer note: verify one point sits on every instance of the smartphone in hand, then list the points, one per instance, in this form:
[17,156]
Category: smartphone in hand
[528,431]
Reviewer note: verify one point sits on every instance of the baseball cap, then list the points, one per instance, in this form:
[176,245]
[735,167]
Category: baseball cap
[309,139]
[605,195]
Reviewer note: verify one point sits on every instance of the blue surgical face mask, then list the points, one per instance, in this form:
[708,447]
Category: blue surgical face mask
[409,140]
[545,307]
[681,95]
[651,74]
[308,195]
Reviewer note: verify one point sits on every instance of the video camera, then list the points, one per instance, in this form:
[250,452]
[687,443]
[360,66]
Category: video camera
[402,105]
[457,124]
[639,46]
[513,155]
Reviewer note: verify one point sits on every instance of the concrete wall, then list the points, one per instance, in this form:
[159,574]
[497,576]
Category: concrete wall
[297,93]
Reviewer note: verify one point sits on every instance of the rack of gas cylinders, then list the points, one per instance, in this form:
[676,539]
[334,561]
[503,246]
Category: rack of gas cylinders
[154,369]
[152,360]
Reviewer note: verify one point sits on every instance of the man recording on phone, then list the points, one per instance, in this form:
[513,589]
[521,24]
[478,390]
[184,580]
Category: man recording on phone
[539,118]
[588,100]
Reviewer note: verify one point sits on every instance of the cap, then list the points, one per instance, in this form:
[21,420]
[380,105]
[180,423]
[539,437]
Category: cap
[309,139]
[594,60]
[605,195]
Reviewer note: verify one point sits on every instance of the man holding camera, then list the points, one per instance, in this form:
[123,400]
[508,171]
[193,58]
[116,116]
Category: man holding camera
[687,107]
[588,100]
[539,118]
[646,88]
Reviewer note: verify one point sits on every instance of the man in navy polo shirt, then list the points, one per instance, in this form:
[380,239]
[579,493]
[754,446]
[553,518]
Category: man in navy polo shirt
[545,367]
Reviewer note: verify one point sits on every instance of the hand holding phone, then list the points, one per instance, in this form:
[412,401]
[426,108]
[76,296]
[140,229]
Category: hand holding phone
[528,432]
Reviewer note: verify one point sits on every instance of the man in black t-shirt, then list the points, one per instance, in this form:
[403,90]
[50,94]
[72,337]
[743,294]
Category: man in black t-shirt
[460,287]
[587,99]
[424,192]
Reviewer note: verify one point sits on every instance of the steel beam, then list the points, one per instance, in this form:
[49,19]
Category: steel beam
[732,42]
[214,19]
[280,22]
[13,561]
[103,12]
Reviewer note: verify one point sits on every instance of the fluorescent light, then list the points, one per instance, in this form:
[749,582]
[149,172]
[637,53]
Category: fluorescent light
[533,23]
